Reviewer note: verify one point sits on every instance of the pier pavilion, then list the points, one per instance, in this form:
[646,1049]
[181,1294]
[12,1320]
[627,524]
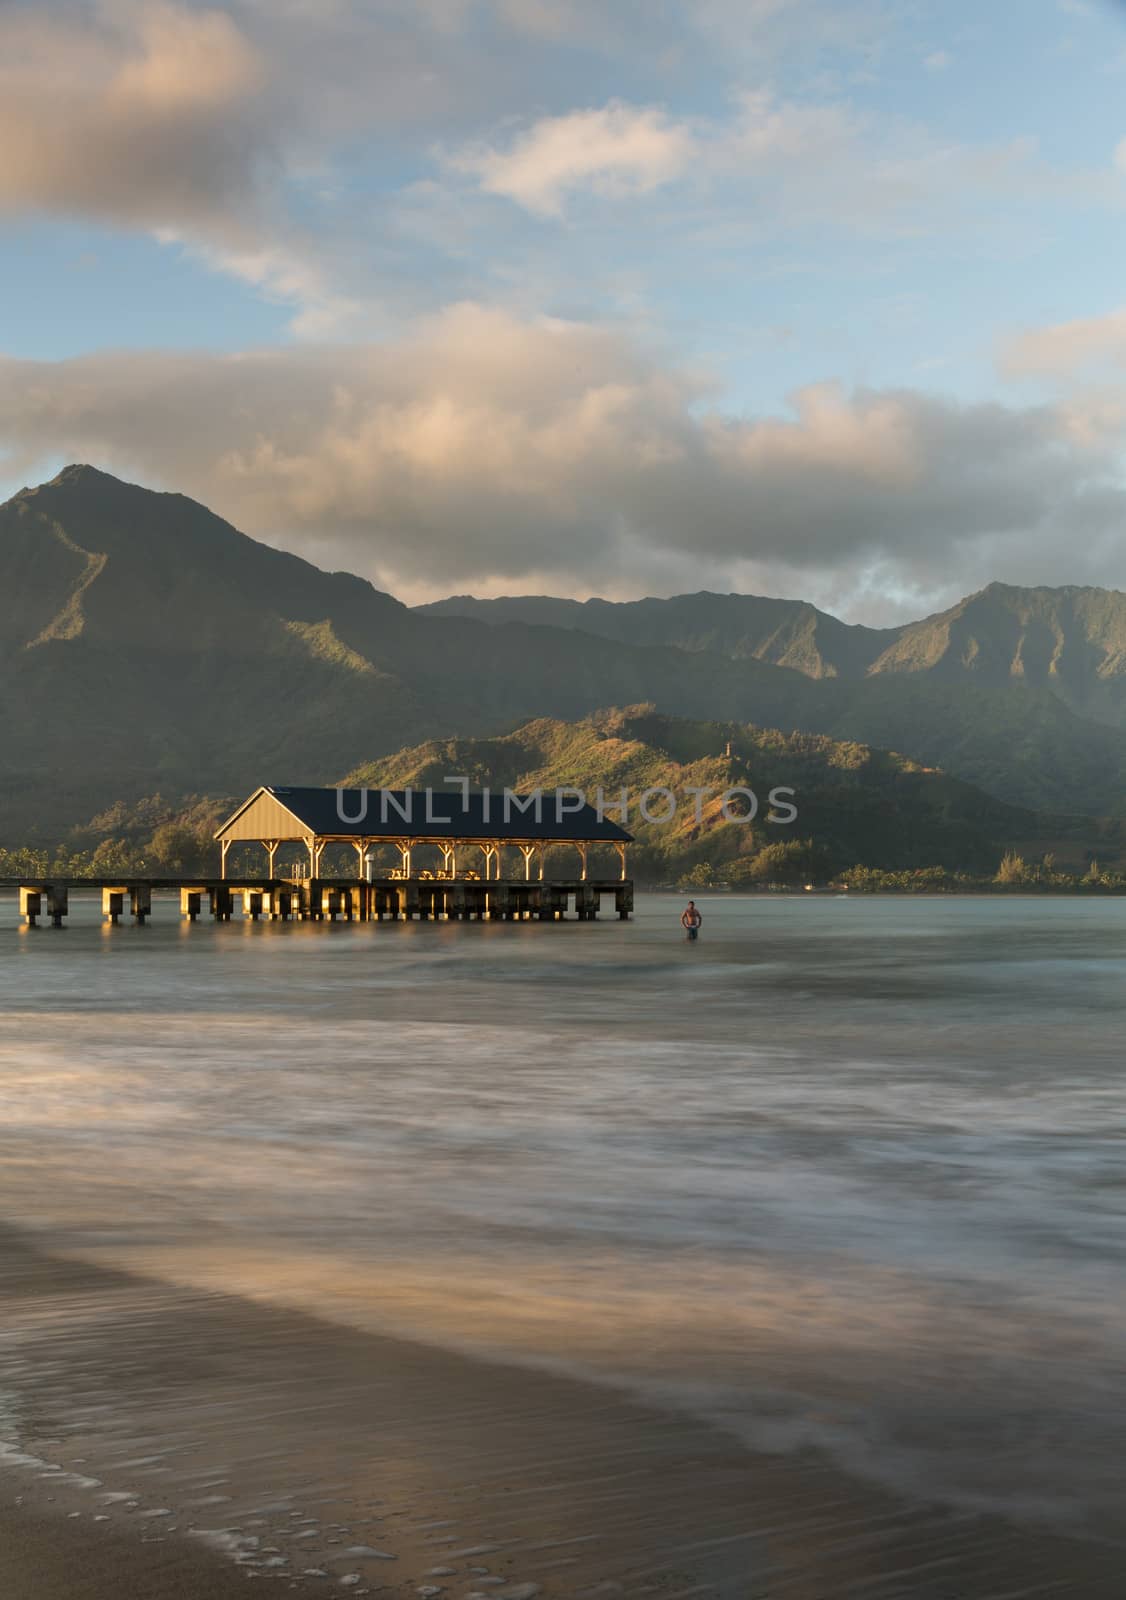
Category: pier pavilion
[474,826]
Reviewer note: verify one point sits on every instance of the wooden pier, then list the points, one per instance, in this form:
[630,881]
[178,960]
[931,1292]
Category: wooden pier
[488,829]
[426,899]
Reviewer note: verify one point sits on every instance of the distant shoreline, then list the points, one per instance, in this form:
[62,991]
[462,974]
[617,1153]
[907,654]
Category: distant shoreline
[820,891]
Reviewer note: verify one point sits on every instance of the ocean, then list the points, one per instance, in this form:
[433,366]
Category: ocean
[843,1177]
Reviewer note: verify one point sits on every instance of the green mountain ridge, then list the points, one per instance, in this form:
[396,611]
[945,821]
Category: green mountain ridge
[148,646]
[1069,642]
[783,633]
[860,811]
[855,804]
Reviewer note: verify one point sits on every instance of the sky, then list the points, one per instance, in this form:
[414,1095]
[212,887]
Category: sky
[819,298]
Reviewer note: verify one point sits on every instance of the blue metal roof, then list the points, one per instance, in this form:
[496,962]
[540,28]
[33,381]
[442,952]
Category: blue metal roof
[384,814]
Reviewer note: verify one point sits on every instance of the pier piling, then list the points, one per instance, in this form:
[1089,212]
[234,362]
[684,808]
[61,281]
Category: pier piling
[316,900]
[113,903]
[191,901]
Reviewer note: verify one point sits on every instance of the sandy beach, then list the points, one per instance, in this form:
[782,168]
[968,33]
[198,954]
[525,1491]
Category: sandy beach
[162,1443]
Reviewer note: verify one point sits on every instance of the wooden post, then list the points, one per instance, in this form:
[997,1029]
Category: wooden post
[222,900]
[31,904]
[271,846]
[57,904]
[580,846]
[621,847]
[224,846]
[140,902]
[113,903]
[190,902]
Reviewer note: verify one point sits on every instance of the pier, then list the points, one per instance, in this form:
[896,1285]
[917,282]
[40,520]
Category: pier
[420,899]
[471,837]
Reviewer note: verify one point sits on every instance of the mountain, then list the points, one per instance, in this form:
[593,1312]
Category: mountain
[784,633]
[1070,642]
[149,647]
[855,804]
[1067,642]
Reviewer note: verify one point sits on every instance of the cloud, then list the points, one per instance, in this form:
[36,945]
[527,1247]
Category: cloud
[620,150]
[1066,348]
[765,162]
[213,127]
[938,60]
[160,118]
[616,150]
[296,146]
[141,117]
[480,450]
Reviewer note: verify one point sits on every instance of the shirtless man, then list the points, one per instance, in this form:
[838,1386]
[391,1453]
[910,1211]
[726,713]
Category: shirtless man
[691,919]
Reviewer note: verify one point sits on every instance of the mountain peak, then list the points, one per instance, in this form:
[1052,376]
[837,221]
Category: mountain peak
[81,479]
[85,478]
[83,472]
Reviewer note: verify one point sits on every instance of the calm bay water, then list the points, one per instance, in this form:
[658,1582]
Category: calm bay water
[844,1174]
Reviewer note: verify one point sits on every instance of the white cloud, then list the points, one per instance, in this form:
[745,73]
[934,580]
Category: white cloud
[143,116]
[938,60]
[782,135]
[615,150]
[765,162]
[219,125]
[480,450]
[1066,348]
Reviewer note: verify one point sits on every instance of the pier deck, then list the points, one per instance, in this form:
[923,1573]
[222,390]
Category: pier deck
[332,899]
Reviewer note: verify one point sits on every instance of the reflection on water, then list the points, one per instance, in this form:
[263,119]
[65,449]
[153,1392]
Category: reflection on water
[844,1173]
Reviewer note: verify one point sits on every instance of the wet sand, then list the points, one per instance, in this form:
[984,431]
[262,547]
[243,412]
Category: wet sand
[166,1443]
[45,1555]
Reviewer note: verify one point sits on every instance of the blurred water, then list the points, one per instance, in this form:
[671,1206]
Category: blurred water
[844,1173]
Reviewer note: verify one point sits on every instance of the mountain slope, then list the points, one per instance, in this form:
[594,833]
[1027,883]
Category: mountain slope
[855,803]
[1070,642]
[1067,642]
[784,633]
[148,646]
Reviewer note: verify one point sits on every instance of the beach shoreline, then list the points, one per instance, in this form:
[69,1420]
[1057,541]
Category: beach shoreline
[224,1441]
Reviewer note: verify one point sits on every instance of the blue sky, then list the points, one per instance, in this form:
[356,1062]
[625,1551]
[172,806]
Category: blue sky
[622,297]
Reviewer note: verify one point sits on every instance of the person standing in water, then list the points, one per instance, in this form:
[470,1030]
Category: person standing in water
[691,919]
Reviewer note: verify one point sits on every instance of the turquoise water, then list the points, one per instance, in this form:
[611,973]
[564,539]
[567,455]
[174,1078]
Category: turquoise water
[844,1174]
